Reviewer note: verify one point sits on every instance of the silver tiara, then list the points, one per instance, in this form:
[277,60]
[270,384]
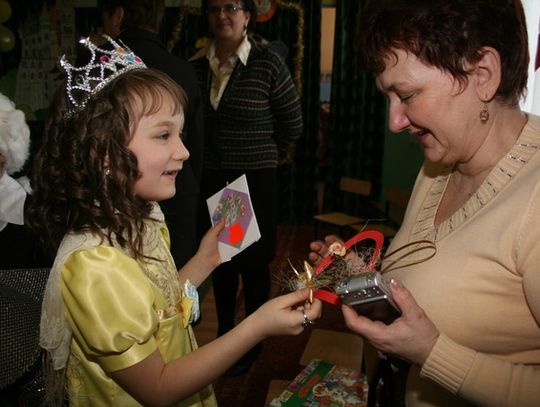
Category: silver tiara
[105,65]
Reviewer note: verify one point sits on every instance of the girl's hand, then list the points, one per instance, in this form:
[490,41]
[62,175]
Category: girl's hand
[207,258]
[411,336]
[208,248]
[284,315]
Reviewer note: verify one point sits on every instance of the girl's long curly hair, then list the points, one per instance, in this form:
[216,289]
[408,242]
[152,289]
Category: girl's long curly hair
[84,173]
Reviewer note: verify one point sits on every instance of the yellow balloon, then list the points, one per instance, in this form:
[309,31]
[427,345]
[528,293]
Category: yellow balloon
[5,11]
[7,39]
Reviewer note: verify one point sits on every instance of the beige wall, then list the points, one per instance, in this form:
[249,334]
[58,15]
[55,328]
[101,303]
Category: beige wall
[328,18]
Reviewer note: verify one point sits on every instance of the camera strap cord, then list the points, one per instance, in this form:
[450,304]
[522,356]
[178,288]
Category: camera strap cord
[417,246]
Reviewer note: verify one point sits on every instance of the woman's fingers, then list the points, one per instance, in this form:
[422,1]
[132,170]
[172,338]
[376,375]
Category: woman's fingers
[329,239]
[411,336]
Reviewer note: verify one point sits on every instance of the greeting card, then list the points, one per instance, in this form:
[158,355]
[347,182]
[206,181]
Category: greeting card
[233,203]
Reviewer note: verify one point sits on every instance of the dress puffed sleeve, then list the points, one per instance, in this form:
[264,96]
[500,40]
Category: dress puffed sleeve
[109,305]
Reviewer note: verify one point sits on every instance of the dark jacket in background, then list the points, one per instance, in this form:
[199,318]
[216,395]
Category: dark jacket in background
[258,117]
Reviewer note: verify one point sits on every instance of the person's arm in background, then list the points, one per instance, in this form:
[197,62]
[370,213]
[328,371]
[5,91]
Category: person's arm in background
[285,104]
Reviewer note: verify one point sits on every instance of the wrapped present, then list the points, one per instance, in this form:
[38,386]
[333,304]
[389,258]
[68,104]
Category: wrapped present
[322,384]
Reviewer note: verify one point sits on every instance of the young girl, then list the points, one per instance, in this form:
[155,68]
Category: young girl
[116,313]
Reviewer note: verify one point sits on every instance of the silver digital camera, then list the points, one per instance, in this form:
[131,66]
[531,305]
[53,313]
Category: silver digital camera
[369,294]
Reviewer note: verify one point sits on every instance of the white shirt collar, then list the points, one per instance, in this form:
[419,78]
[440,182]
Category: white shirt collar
[242,52]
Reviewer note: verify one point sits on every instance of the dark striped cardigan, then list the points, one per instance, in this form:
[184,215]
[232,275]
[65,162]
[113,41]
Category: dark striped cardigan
[259,114]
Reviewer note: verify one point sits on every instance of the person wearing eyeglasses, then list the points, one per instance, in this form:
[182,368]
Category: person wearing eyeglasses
[252,116]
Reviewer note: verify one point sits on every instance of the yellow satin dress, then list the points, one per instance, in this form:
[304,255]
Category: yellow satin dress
[120,311]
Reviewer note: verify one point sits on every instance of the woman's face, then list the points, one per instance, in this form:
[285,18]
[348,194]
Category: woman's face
[227,19]
[160,152]
[433,107]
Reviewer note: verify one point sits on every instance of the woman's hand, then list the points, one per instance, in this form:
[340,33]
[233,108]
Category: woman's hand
[411,336]
[206,259]
[319,249]
[284,315]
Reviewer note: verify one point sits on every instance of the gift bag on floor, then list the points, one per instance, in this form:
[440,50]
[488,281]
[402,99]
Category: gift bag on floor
[324,384]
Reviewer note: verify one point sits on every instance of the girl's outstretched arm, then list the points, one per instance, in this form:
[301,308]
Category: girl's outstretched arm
[154,383]
[206,259]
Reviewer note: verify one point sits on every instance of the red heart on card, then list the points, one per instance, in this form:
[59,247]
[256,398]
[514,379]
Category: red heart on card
[236,233]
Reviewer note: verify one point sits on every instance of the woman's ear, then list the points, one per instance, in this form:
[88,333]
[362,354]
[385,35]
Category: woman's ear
[487,73]
[246,25]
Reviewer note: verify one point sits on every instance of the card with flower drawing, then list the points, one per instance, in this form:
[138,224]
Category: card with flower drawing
[241,229]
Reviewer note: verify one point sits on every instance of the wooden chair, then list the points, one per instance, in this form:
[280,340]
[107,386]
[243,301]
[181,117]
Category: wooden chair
[394,210]
[342,220]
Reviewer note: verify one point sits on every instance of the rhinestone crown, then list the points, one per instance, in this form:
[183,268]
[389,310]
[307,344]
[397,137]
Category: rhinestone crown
[105,64]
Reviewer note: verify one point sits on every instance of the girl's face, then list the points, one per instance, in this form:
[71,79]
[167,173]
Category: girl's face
[227,19]
[432,106]
[157,144]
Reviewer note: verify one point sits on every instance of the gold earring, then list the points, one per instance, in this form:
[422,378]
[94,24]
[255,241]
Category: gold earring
[484,113]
